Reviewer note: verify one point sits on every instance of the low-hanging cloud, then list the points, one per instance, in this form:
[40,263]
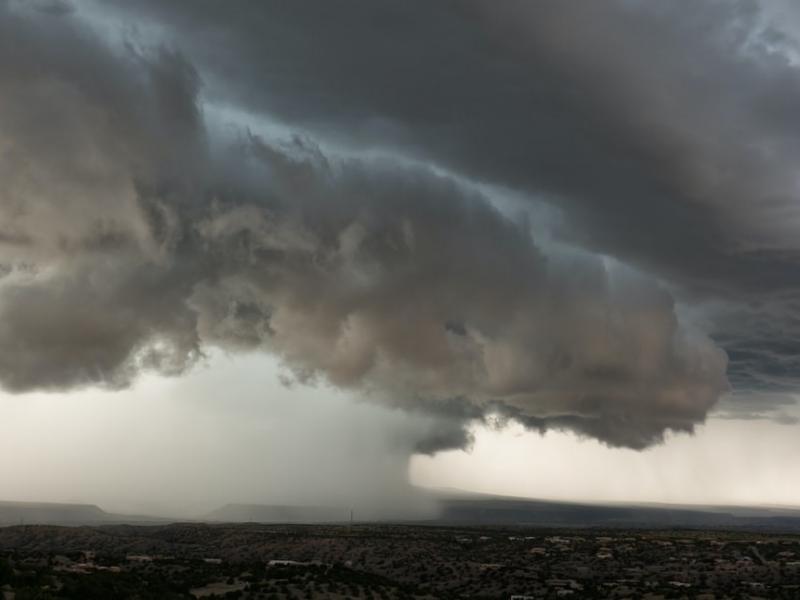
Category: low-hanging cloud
[136,233]
[665,132]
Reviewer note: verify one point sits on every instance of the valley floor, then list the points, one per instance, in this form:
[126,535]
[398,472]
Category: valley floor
[252,561]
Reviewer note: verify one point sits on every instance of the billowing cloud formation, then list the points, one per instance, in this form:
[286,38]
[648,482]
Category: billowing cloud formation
[137,229]
[400,281]
[666,132]
[670,116]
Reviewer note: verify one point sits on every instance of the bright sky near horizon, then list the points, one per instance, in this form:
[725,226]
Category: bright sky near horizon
[182,447]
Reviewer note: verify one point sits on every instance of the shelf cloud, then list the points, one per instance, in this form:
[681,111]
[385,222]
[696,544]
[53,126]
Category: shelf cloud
[360,237]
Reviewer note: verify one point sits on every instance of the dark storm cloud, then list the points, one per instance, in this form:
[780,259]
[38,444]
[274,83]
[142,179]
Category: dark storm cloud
[357,272]
[667,133]
[135,234]
[85,136]
[647,122]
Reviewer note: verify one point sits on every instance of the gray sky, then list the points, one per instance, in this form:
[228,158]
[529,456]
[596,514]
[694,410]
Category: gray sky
[283,251]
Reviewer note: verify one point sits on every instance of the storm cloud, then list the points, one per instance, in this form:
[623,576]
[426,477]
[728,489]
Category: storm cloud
[642,121]
[140,226]
[665,133]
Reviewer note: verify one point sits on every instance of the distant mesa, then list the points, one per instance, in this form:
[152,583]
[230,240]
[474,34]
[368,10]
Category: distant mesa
[54,513]
[464,508]
[454,508]
[46,513]
[270,513]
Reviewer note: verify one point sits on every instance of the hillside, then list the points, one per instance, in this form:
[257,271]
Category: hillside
[54,513]
[271,513]
[454,508]
[460,508]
